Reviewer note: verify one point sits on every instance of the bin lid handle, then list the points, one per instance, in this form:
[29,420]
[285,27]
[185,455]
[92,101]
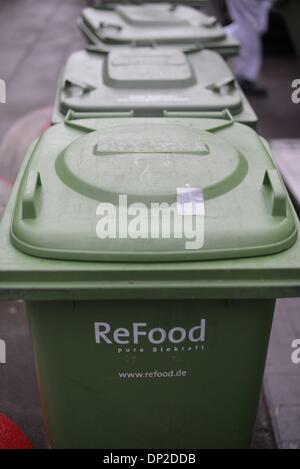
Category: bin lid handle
[86,87]
[72,116]
[104,26]
[275,189]
[210,22]
[224,116]
[227,83]
[32,195]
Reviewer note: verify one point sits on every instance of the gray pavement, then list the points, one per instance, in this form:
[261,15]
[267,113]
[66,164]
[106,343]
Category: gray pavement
[282,376]
[36,37]
[18,392]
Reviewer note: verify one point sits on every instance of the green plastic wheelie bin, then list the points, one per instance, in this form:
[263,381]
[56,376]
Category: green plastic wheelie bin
[163,24]
[148,82]
[142,340]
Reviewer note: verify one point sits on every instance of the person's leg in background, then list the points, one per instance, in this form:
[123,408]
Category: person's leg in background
[250,21]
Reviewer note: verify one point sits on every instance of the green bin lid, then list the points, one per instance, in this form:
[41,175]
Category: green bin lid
[227,47]
[151,15]
[82,163]
[162,24]
[149,81]
[110,4]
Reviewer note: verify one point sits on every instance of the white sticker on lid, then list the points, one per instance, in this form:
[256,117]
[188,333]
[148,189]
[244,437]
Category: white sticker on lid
[190,201]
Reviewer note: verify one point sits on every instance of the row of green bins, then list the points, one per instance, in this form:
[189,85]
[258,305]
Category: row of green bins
[290,11]
[149,81]
[140,341]
[161,24]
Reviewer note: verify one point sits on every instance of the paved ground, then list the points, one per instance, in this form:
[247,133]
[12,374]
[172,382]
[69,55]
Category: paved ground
[35,38]
[282,377]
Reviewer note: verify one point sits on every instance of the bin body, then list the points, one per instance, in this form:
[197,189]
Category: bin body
[92,399]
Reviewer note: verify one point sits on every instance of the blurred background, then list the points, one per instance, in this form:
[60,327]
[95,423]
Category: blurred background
[36,37]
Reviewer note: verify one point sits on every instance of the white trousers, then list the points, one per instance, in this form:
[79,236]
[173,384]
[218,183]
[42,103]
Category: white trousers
[250,20]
